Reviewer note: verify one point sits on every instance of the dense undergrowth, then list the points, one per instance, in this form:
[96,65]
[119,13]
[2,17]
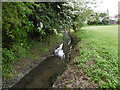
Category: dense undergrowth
[99,54]
[34,50]
[25,24]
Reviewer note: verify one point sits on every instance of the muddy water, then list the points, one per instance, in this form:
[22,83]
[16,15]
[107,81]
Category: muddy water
[45,74]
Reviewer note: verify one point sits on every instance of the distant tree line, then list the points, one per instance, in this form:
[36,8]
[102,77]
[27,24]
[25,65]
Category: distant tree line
[99,19]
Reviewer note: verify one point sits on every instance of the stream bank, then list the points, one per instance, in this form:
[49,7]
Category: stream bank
[38,55]
[45,74]
[73,76]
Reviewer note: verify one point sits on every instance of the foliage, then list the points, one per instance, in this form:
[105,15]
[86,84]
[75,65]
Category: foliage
[46,14]
[15,24]
[99,54]
[27,21]
[118,21]
[98,19]
[7,60]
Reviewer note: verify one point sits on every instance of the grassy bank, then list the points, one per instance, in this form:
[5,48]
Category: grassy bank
[99,54]
[26,57]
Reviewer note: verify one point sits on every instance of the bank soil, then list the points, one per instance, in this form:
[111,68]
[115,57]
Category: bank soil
[25,65]
[74,77]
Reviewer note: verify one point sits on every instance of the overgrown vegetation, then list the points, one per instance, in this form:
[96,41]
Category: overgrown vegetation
[99,54]
[29,31]
[34,52]
[25,22]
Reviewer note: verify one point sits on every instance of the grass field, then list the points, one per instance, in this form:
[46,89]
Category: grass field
[99,54]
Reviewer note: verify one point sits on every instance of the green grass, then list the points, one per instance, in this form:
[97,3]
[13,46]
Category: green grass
[99,54]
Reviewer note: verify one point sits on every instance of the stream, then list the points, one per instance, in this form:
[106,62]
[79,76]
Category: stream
[45,74]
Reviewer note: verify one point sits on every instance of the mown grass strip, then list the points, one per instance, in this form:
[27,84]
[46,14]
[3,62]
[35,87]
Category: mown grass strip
[99,54]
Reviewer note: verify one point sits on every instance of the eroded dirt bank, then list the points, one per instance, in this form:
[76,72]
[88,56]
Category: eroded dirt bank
[73,76]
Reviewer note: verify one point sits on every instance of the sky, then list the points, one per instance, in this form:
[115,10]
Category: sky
[111,5]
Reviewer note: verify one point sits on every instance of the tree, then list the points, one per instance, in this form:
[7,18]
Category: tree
[99,18]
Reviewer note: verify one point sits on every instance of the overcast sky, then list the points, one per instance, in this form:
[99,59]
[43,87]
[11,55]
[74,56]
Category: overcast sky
[111,5]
